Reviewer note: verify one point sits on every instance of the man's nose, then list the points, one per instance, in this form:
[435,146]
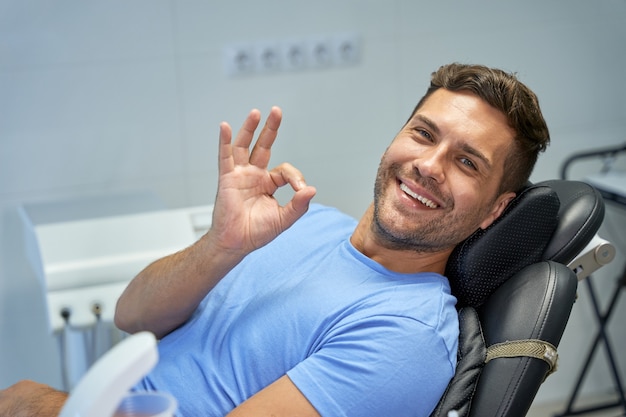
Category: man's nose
[432,164]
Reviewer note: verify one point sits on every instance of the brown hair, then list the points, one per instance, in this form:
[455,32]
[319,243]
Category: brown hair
[515,100]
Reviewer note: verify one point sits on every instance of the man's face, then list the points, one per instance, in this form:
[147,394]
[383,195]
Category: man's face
[438,180]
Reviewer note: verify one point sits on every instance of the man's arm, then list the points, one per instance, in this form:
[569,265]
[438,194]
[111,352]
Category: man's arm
[31,399]
[246,216]
[279,399]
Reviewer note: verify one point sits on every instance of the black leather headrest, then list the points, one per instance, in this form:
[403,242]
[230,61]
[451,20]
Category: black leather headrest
[580,216]
[486,259]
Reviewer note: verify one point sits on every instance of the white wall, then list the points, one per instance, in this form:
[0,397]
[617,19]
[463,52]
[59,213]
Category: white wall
[107,97]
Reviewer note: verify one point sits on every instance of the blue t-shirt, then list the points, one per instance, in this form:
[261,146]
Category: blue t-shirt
[355,338]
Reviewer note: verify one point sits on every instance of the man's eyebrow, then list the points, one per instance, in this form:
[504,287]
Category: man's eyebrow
[465,146]
[478,154]
[431,124]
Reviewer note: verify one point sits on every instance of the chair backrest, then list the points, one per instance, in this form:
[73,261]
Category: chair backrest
[515,296]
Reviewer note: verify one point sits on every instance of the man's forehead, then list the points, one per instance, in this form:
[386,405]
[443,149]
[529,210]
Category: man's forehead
[462,109]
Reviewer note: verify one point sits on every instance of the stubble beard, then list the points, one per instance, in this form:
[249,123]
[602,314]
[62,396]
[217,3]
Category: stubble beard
[441,233]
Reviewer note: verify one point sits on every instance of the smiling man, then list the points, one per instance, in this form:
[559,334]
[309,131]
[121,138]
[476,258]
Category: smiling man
[300,310]
[440,178]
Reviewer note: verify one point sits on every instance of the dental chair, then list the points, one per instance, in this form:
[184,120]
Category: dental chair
[515,281]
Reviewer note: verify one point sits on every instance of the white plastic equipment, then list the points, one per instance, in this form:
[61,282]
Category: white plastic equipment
[84,264]
[596,254]
[103,387]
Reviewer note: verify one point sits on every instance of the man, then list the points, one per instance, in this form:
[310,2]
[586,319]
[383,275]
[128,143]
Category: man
[275,312]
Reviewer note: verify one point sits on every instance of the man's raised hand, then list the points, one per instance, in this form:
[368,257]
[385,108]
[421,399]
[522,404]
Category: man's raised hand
[246,215]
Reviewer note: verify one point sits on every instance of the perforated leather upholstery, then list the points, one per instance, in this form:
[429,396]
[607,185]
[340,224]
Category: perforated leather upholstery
[489,257]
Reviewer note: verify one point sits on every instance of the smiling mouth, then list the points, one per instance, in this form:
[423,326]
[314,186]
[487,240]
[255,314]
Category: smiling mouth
[428,203]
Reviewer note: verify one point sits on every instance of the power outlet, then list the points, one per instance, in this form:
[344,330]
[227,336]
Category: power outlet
[239,60]
[320,52]
[295,54]
[268,57]
[347,49]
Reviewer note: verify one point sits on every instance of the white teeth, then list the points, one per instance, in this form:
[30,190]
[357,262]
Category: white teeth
[428,203]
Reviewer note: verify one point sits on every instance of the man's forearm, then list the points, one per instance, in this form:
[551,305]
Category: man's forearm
[31,399]
[165,294]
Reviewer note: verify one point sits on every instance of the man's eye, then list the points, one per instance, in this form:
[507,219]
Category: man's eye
[425,134]
[468,163]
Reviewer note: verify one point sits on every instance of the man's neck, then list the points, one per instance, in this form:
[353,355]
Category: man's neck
[403,261]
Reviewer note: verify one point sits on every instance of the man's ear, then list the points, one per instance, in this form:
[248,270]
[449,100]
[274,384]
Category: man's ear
[498,208]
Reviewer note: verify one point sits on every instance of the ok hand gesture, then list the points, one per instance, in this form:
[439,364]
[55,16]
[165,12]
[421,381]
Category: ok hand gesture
[246,216]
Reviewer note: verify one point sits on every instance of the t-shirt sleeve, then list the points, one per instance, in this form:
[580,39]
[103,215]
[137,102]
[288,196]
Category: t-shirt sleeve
[378,366]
